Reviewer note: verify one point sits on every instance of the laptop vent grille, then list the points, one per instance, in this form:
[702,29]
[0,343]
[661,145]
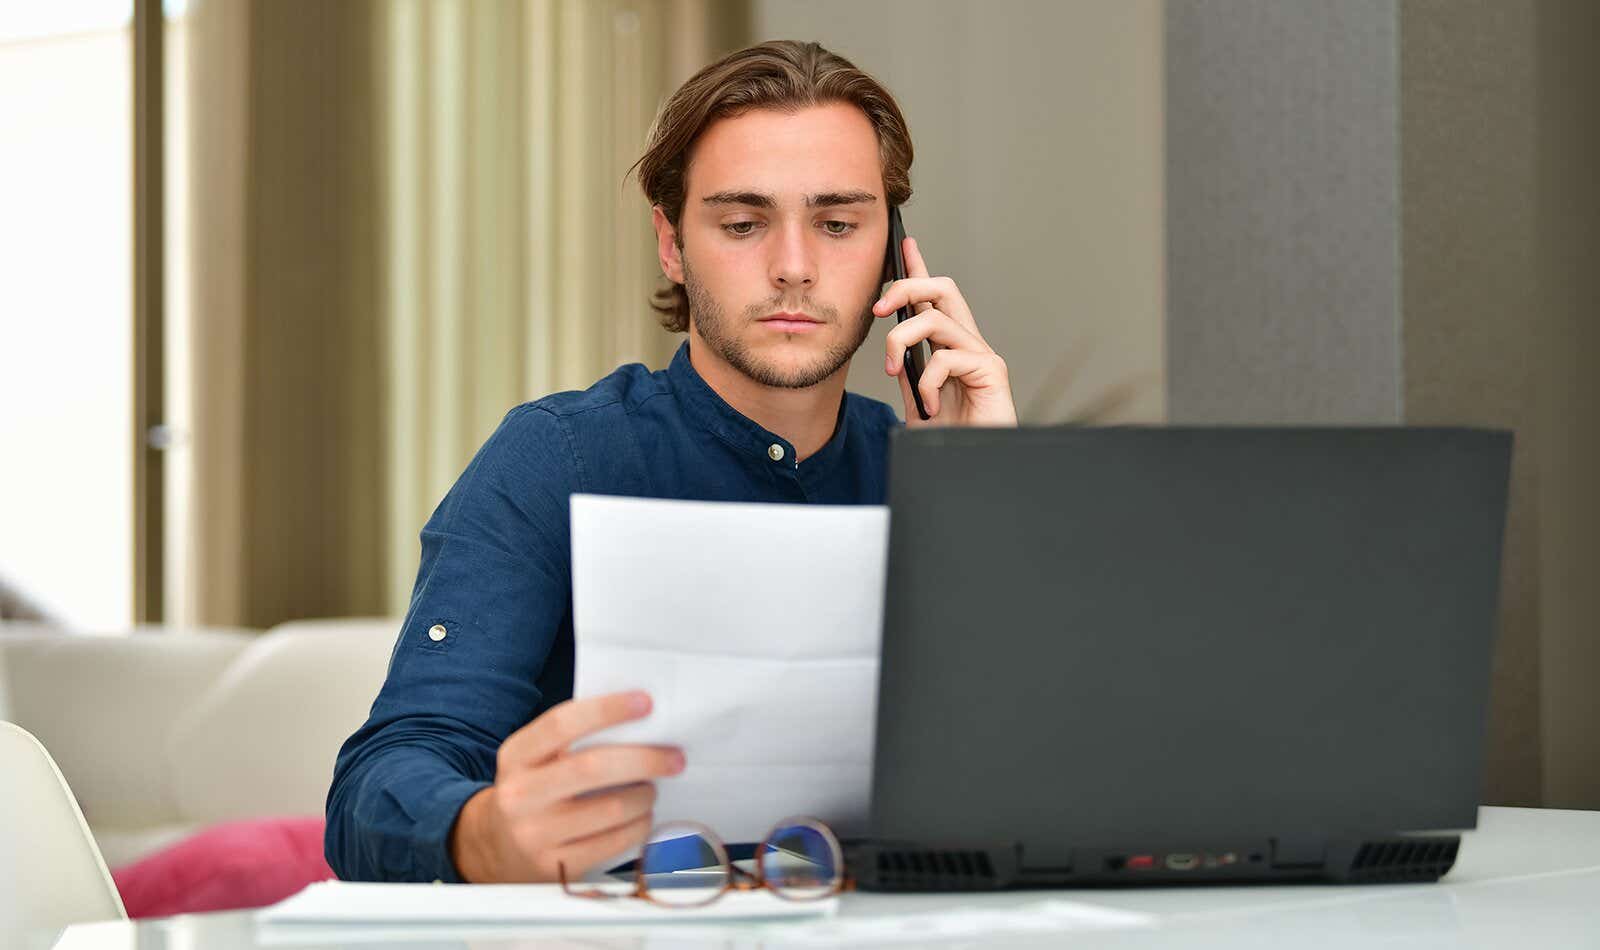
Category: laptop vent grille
[934,870]
[1402,859]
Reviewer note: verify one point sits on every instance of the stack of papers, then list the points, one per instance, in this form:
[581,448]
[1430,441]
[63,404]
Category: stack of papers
[755,628]
[338,902]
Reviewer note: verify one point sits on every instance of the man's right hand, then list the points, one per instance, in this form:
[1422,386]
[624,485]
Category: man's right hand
[550,806]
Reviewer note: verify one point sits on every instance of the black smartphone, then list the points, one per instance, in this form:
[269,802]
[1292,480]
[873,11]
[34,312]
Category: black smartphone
[894,268]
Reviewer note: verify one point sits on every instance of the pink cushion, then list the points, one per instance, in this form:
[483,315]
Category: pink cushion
[230,866]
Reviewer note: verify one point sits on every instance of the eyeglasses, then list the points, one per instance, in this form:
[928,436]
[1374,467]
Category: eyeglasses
[799,860]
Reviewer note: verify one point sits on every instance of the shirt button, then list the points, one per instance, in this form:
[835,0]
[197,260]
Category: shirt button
[775,452]
[437,632]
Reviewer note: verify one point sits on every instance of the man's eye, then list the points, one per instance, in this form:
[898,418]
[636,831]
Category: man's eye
[739,228]
[838,228]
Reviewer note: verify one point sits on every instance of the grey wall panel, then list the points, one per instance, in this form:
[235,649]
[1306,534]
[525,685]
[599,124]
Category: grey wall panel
[1568,424]
[1282,170]
[1301,288]
[1469,95]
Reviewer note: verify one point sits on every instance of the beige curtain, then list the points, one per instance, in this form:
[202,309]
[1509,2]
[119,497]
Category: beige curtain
[408,217]
[518,261]
[283,314]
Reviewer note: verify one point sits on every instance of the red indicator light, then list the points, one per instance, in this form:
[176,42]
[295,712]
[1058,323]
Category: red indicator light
[1141,862]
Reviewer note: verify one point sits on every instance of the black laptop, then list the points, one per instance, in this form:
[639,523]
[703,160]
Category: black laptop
[1159,655]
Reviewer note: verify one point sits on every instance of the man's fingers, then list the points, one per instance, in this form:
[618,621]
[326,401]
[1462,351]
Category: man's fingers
[534,791]
[591,814]
[933,325]
[547,736]
[582,856]
[918,268]
[605,767]
[974,370]
[539,826]
[915,265]
[926,292]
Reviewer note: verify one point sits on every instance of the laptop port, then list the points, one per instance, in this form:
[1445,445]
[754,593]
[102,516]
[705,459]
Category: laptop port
[1182,862]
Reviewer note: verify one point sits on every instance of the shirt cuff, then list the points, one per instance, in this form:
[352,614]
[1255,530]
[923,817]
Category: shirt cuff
[437,814]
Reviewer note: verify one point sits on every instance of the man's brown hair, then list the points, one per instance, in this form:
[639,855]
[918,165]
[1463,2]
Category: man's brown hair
[782,74]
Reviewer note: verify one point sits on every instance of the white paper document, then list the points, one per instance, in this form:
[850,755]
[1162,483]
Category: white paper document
[755,629]
[950,923]
[329,902]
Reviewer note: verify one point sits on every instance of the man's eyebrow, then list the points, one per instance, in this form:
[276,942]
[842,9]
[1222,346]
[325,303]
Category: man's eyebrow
[830,198]
[757,199]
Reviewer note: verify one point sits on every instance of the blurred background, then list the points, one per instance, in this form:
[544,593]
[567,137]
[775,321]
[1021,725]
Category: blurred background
[271,270]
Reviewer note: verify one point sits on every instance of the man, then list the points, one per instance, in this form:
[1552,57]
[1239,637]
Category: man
[770,174]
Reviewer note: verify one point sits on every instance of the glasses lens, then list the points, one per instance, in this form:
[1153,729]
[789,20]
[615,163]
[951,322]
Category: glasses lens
[801,860]
[684,865]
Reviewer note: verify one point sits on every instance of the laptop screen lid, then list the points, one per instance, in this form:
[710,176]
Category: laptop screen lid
[1102,636]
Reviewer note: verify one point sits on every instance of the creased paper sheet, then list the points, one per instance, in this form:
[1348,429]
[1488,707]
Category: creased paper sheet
[755,629]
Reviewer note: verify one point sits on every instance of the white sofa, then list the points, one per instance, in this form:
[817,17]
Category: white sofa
[163,732]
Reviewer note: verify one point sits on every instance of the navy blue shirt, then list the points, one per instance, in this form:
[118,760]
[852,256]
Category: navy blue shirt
[486,644]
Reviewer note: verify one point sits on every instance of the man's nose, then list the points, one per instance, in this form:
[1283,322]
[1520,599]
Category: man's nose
[793,265]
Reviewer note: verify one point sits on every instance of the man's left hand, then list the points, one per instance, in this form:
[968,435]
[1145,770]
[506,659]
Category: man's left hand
[965,382]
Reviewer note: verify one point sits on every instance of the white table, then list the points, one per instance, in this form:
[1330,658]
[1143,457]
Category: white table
[1526,877]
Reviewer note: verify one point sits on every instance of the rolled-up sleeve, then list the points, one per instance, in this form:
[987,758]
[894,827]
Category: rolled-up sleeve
[492,595]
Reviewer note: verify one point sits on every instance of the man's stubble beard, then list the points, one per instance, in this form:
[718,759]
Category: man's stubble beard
[708,318]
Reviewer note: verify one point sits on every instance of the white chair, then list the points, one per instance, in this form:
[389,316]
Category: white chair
[51,873]
[105,707]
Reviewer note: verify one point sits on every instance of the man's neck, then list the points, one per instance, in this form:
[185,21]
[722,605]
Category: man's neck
[805,417]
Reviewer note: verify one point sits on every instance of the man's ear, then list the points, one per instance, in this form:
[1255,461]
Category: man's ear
[667,248]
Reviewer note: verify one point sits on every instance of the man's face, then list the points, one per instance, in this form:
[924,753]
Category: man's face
[784,215]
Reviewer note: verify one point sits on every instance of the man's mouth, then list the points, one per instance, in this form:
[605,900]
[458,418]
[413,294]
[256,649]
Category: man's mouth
[790,322]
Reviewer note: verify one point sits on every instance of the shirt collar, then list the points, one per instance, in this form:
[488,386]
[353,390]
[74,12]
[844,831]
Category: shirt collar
[714,414]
